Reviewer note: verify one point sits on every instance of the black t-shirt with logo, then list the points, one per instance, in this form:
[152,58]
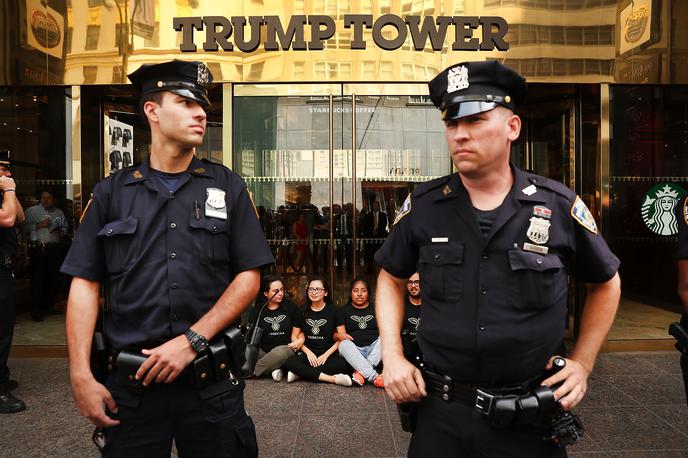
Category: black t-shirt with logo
[359,323]
[411,317]
[277,324]
[319,327]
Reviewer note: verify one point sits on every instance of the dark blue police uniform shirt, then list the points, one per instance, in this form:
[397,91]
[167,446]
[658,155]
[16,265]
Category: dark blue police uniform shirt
[493,313]
[164,261]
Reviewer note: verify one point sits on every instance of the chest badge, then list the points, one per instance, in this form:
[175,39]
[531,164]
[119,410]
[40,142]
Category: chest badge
[215,205]
[538,231]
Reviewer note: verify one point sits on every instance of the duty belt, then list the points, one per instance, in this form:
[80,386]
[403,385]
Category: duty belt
[522,404]
[208,367]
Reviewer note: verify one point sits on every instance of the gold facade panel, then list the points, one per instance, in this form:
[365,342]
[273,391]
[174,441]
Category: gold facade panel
[571,41]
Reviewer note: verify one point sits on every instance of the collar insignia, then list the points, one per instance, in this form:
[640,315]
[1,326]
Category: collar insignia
[447,190]
[137,175]
[530,190]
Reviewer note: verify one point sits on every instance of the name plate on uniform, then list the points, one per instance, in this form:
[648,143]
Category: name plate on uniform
[535,248]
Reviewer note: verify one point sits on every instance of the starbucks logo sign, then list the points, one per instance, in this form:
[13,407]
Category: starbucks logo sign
[658,210]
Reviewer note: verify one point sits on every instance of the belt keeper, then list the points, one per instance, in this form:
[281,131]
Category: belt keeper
[447,393]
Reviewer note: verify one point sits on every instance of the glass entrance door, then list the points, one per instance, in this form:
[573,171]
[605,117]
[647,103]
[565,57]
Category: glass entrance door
[328,169]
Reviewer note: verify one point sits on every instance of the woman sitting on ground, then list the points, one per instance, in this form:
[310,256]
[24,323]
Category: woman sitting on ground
[359,338]
[318,359]
[281,324]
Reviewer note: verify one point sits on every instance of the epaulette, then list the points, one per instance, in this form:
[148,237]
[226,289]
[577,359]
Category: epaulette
[430,185]
[552,185]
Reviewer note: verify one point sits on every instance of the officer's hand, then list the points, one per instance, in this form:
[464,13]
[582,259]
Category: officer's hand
[7,183]
[575,383]
[322,358]
[91,397]
[165,362]
[312,359]
[403,380]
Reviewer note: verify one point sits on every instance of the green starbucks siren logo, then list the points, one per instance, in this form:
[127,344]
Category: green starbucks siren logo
[658,208]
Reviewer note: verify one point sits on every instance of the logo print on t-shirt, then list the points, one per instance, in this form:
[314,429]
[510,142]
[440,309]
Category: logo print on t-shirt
[362,320]
[275,322]
[315,325]
[414,321]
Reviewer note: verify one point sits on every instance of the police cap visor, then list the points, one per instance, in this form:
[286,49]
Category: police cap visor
[463,109]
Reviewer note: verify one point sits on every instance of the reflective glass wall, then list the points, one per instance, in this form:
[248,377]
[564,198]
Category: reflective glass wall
[649,177]
[36,126]
[282,149]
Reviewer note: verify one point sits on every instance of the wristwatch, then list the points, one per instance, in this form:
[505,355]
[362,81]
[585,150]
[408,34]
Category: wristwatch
[197,341]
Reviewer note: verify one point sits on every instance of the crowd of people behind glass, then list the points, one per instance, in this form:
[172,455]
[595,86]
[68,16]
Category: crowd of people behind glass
[300,234]
[320,342]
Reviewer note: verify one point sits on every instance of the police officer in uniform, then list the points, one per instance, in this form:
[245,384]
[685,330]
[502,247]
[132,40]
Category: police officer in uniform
[177,242]
[682,256]
[493,246]
[11,214]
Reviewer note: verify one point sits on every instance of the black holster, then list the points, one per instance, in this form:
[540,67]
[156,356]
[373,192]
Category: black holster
[101,365]
[408,414]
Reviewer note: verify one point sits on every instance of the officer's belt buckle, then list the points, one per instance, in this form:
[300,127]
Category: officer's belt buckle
[484,401]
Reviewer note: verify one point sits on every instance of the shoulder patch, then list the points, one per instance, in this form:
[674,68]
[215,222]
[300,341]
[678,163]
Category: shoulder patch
[430,185]
[580,212]
[404,210]
[685,210]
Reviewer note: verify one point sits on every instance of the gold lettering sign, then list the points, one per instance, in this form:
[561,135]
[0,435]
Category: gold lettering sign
[636,25]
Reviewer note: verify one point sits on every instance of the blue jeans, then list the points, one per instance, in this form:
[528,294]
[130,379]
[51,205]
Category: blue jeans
[362,359]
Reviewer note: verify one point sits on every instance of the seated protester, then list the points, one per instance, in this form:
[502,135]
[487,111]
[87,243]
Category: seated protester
[281,324]
[412,306]
[358,335]
[318,359]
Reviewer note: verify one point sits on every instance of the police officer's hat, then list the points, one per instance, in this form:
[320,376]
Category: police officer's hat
[5,157]
[474,87]
[188,79]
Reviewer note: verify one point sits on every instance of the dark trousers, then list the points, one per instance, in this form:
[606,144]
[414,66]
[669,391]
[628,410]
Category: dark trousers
[8,296]
[299,365]
[45,266]
[204,428]
[457,430]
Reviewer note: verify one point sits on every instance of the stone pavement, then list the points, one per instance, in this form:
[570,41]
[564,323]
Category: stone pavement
[635,408]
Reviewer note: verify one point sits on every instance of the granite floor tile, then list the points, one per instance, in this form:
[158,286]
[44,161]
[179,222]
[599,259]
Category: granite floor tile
[666,361]
[270,398]
[650,389]
[609,364]
[325,398]
[648,454]
[676,415]
[401,437]
[276,434]
[344,435]
[630,428]
[603,393]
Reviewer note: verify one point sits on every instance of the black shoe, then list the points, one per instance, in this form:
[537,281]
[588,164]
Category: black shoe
[10,404]
[12,385]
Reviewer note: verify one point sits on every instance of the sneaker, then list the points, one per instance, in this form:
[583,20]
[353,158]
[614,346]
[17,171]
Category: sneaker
[342,380]
[378,382]
[277,375]
[358,379]
[291,377]
[10,404]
